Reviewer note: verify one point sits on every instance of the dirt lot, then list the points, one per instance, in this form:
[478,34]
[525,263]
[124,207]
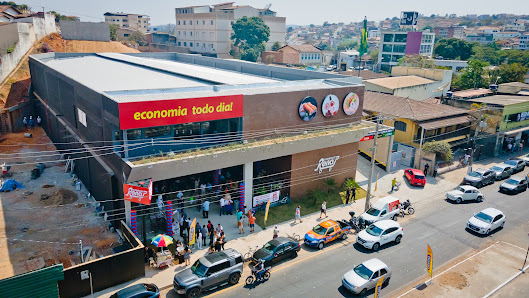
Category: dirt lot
[34,229]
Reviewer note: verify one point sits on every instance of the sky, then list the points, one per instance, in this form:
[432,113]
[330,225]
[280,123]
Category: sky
[297,12]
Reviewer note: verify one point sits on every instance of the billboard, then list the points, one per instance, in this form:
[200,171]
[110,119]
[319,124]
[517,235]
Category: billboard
[269,197]
[142,114]
[409,18]
[308,108]
[138,194]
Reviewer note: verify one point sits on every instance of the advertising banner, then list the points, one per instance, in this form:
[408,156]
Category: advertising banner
[381,134]
[177,111]
[262,199]
[409,18]
[138,194]
[192,233]
[266,211]
[379,286]
[429,261]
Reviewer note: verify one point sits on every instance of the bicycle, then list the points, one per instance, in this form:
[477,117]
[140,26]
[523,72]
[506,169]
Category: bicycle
[249,255]
[294,236]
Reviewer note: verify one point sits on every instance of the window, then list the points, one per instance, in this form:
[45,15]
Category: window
[330,231]
[190,33]
[383,272]
[133,134]
[399,48]
[400,37]
[197,22]
[126,35]
[185,33]
[179,44]
[184,22]
[203,22]
[218,267]
[426,38]
[203,34]
[376,275]
[399,125]
[124,20]
[388,37]
[178,33]
[185,44]
[387,48]
[386,58]
[154,132]
[191,44]
[498,217]
[383,212]
[211,22]
[211,45]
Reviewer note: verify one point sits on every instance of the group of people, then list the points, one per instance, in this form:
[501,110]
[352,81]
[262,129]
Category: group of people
[31,122]
[436,167]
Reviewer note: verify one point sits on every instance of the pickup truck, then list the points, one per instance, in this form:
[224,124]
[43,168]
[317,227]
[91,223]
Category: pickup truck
[326,232]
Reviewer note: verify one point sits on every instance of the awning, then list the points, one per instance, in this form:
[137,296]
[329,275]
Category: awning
[446,122]
[516,131]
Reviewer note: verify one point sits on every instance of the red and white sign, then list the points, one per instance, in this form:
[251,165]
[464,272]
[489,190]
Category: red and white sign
[138,194]
[263,199]
[177,111]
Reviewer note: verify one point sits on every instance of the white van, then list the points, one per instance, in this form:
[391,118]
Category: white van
[384,208]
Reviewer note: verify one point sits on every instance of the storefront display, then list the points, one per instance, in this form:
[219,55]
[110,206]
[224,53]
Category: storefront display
[308,108]
[330,105]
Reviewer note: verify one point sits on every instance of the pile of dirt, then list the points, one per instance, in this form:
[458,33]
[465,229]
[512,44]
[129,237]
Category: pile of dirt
[61,197]
[454,280]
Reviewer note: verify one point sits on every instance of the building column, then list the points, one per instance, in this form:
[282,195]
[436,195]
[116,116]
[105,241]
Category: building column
[390,151]
[127,212]
[248,184]
[125,144]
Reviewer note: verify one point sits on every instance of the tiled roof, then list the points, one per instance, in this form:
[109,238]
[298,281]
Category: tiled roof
[400,82]
[407,108]
[304,48]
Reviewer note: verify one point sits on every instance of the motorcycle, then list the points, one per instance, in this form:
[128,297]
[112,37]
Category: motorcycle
[253,278]
[405,207]
[356,222]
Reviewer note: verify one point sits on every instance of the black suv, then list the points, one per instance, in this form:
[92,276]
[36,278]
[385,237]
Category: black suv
[210,272]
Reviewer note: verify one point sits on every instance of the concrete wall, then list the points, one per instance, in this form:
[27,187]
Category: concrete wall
[8,36]
[382,149]
[74,30]
[441,76]
[152,47]
[26,39]
[43,26]
[304,177]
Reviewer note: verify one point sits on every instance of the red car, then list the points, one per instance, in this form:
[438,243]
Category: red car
[415,177]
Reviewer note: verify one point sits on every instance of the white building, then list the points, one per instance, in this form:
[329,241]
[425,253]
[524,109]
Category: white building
[207,29]
[137,22]
[395,44]
[505,35]
[524,42]
[518,25]
[373,33]
[346,59]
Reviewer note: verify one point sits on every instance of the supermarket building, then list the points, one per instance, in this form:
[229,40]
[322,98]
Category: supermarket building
[177,118]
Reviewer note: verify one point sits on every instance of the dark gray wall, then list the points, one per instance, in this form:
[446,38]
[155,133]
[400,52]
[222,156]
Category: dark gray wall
[74,30]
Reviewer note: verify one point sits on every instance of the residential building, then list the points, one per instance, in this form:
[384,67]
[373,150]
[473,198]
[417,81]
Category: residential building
[347,59]
[450,32]
[10,13]
[415,120]
[208,29]
[518,25]
[505,35]
[160,38]
[375,33]
[129,21]
[395,44]
[524,42]
[182,103]
[304,54]
[514,88]
[483,39]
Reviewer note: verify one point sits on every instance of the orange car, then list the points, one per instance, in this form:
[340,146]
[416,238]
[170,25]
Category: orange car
[326,232]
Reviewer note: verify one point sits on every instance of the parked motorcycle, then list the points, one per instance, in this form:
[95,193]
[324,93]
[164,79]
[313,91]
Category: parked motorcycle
[405,207]
[356,223]
[253,278]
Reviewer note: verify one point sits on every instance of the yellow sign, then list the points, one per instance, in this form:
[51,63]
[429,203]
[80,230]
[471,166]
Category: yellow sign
[267,208]
[376,182]
[192,232]
[429,261]
[379,286]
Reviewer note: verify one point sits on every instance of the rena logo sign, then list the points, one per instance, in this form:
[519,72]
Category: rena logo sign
[136,194]
[326,163]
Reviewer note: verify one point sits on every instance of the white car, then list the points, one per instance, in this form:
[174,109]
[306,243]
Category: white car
[365,276]
[464,193]
[380,233]
[486,221]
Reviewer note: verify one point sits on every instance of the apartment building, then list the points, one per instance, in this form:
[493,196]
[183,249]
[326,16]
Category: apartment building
[450,32]
[208,29]
[481,38]
[395,44]
[524,42]
[129,21]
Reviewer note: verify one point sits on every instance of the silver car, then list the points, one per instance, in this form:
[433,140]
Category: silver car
[502,171]
[210,272]
[365,276]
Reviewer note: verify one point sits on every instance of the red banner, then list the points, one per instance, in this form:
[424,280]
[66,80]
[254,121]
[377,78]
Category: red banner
[177,111]
[138,194]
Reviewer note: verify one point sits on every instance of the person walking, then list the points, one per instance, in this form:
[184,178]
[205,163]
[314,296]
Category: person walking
[186,227]
[393,183]
[25,122]
[353,193]
[211,236]
[347,196]
[297,215]
[222,203]
[187,255]
[31,122]
[199,238]
[205,209]
[251,220]
[39,121]
[435,169]
[426,167]
[521,148]
[204,233]
[323,209]
[276,232]
[240,221]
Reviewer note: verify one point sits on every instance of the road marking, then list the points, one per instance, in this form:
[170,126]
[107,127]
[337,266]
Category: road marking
[427,235]
[461,262]
[513,245]
[507,281]
[286,266]
[404,220]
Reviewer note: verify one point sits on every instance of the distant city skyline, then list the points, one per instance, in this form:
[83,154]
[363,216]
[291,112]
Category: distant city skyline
[297,12]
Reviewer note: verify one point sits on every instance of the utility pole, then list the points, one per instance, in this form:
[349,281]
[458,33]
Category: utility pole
[371,173]
[473,144]
[420,147]
[81,249]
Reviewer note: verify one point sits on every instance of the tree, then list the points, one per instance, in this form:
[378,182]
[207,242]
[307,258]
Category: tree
[250,36]
[453,48]
[472,76]
[427,27]
[60,17]
[511,73]
[276,46]
[114,31]
[374,56]
[137,37]
[416,61]
[345,45]
[442,150]
[20,7]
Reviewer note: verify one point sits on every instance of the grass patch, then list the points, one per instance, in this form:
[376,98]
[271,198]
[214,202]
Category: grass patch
[282,213]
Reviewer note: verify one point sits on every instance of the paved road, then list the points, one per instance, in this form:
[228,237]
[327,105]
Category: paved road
[436,222]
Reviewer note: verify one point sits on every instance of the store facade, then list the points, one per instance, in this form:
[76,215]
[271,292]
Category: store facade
[181,121]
